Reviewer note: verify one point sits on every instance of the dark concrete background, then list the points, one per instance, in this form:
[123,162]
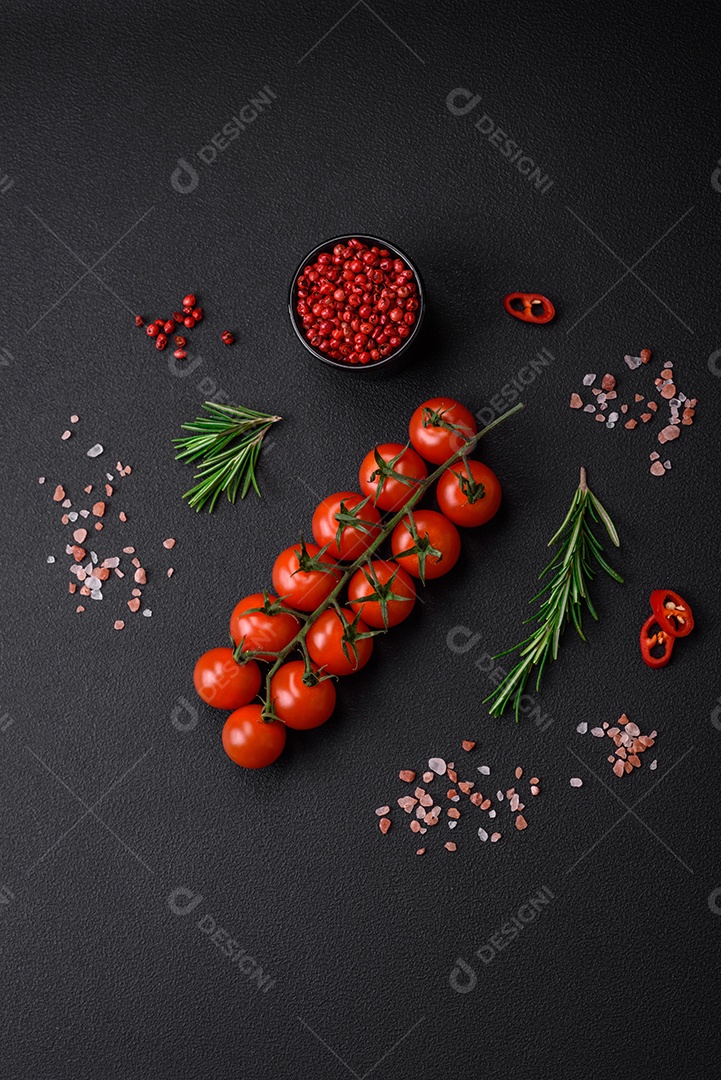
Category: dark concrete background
[114,795]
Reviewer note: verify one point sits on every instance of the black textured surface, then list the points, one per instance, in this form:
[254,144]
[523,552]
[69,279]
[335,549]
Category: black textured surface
[618,976]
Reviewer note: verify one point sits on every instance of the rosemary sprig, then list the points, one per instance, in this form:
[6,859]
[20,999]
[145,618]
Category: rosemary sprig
[228,443]
[571,571]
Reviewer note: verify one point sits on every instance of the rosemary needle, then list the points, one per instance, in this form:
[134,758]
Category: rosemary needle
[227,442]
[570,571]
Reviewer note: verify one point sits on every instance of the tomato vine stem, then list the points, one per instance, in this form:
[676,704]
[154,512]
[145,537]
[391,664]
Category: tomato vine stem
[332,599]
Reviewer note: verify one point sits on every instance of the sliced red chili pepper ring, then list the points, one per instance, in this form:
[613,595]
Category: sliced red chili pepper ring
[672,612]
[529,307]
[651,641]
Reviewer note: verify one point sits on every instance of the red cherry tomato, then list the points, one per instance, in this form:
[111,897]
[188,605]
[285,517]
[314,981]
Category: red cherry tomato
[329,651]
[263,633]
[303,589]
[250,741]
[224,683]
[297,704]
[382,579]
[439,427]
[386,491]
[436,534]
[354,540]
[469,493]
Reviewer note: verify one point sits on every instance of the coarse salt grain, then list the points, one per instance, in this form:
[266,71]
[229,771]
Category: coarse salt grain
[437,765]
[588,380]
[95,451]
[582,728]
[118,624]
[169,543]
[66,435]
[147,612]
[576,781]
[51,559]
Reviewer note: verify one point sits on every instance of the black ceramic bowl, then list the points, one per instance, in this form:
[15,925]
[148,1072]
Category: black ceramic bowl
[400,356]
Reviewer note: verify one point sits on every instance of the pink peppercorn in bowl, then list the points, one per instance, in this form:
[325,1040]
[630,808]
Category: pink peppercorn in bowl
[375,284]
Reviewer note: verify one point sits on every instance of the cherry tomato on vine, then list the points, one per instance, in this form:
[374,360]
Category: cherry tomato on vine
[264,633]
[437,546]
[224,683]
[250,741]
[469,493]
[306,588]
[385,581]
[387,492]
[337,512]
[297,704]
[329,650]
[439,427]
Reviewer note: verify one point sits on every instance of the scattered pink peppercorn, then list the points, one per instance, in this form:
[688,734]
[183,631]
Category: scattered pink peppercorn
[180,354]
[161,341]
[189,300]
[153,330]
[168,327]
[180,341]
[139,321]
[189,322]
[197,313]
[227,338]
